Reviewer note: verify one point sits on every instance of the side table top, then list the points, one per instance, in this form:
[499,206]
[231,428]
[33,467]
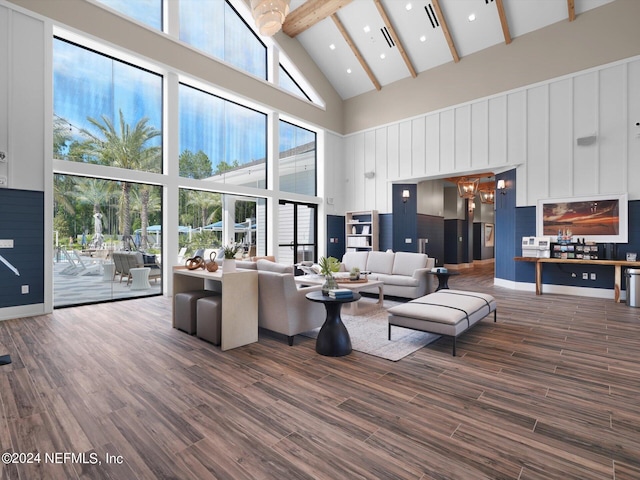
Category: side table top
[320,297]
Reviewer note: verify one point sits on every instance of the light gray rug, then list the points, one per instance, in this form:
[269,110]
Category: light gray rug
[368,332]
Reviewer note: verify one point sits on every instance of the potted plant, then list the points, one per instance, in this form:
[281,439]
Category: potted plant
[230,252]
[328,266]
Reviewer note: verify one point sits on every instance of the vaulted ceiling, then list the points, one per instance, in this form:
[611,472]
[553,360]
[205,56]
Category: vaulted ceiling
[362,45]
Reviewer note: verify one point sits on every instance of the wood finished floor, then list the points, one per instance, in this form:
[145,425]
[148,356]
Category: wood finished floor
[552,390]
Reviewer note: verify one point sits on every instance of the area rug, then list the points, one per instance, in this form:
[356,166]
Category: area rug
[368,332]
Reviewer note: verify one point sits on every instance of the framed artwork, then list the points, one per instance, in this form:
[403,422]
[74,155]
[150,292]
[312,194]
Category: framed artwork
[598,218]
[489,234]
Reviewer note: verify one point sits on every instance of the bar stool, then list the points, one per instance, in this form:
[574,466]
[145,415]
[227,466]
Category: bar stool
[209,319]
[185,313]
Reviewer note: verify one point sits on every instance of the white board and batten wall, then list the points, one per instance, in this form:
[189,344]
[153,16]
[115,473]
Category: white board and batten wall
[534,129]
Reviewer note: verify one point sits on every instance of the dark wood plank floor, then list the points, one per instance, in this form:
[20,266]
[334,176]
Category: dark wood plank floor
[552,390]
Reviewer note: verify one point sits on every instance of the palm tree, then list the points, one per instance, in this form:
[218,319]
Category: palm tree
[205,202]
[124,148]
[145,199]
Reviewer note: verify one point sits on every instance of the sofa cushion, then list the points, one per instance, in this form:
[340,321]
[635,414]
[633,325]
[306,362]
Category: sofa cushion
[268,266]
[405,263]
[398,280]
[380,262]
[246,264]
[355,259]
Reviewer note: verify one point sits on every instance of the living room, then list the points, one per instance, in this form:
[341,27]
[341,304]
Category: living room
[519,119]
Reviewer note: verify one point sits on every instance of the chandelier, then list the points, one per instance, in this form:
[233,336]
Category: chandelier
[468,187]
[269,15]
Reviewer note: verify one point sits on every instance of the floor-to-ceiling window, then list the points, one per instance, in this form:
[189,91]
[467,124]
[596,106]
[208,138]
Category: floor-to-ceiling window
[107,113]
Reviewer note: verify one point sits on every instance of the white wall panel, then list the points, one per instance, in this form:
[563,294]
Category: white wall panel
[517,139]
[447,141]
[534,129]
[369,166]
[497,125]
[349,177]
[480,135]
[393,151]
[537,144]
[27,103]
[561,142]
[334,176]
[358,173]
[383,186]
[418,146]
[612,134]
[633,140]
[585,118]
[462,144]
[405,150]
[4,86]
[432,127]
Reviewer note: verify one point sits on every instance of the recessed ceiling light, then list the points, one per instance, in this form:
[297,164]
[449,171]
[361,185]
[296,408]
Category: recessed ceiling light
[423,38]
[367,29]
[408,6]
[332,46]
[472,17]
[348,70]
[382,56]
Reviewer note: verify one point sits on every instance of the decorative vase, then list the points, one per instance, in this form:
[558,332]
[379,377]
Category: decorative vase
[229,265]
[329,283]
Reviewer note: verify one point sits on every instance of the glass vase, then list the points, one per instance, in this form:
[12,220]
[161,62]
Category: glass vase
[329,283]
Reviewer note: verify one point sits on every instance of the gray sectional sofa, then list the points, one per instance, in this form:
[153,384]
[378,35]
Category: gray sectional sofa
[404,274]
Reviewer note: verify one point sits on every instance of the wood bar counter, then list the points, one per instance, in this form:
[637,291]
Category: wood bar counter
[617,264]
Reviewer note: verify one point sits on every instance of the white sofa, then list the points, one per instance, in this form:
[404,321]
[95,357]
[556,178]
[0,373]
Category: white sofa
[404,274]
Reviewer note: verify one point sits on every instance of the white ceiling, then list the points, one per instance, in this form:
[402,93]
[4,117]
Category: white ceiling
[522,16]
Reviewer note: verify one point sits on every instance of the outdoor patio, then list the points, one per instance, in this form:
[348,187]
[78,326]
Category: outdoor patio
[74,289]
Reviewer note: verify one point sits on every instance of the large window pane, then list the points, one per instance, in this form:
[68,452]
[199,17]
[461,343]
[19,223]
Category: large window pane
[220,140]
[214,27]
[105,111]
[297,162]
[287,82]
[204,228]
[148,12]
[95,222]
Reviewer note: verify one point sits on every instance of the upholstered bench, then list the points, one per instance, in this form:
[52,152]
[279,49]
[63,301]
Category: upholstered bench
[446,312]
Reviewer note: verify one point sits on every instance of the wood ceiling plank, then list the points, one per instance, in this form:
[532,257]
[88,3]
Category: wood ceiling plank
[445,30]
[310,13]
[395,37]
[503,22]
[571,7]
[355,51]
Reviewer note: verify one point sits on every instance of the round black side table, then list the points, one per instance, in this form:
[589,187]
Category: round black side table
[333,339]
[443,279]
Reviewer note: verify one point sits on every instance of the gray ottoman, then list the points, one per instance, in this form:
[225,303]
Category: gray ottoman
[209,319]
[185,305]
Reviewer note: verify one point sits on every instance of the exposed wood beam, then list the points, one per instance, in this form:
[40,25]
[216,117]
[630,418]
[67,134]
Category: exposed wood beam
[571,7]
[355,51]
[503,22]
[310,13]
[395,37]
[445,30]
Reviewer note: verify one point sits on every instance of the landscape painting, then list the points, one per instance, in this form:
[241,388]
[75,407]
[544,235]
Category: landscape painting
[600,219]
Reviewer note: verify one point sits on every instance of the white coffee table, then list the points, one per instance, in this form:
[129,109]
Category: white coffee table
[355,286]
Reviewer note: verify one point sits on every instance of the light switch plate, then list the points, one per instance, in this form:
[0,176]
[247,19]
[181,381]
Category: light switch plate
[6,243]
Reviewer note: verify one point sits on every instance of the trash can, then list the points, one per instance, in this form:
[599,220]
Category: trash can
[633,287]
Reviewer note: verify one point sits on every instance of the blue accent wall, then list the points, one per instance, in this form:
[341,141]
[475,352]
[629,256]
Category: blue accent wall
[385,225]
[22,220]
[513,223]
[335,236]
[405,224]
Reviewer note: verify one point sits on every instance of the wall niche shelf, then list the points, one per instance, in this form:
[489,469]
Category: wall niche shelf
[361,231]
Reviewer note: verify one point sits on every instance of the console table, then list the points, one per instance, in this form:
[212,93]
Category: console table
[239,291]
[617,264]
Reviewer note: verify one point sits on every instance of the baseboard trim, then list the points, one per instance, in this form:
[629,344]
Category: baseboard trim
[605,293]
